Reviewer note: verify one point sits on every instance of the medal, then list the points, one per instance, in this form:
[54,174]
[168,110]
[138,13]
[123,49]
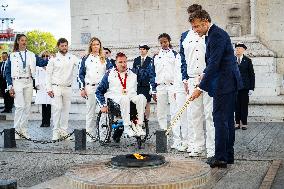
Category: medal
[124,91]
[123,84]
[24,61]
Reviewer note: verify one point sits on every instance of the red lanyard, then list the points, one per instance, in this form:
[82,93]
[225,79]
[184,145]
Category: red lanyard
[120,79]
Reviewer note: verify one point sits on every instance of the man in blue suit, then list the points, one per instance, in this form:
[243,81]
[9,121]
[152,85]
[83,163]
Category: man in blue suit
[142,67]
[221,79]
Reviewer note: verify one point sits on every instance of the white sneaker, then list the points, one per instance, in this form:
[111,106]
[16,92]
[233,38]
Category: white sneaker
[135,130]
[55,136]
[17,137]
[182,147]
[196,154]
[89,139]
[141,132]
[128,131]
[65,133]
[25,133]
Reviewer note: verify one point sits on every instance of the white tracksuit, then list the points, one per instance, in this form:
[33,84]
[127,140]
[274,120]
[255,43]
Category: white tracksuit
[94,71]
[21,80]
[194,51]
[110,87]
[59,80]
[164,65]
[180,130]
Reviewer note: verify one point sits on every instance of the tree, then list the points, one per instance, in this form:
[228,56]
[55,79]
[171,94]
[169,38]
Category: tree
[39,41]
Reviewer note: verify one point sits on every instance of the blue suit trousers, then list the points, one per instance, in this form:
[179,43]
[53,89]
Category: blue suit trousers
[223,117]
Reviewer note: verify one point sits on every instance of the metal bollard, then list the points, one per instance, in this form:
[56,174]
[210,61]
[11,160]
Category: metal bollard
[8,184]
[80,139]
[161,141]
[9,138]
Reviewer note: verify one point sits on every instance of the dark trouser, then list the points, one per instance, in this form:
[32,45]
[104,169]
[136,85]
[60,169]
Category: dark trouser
[46,113]
[223,117]
[145,90]
[242,107]
[8,101]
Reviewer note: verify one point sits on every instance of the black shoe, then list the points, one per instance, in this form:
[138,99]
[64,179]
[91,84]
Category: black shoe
[237,126]
[45,125]
[230,162]
[6,111]
[217,163]
[209,160]
[244,128]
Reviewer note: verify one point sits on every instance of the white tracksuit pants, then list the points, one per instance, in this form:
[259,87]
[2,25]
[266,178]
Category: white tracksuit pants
[91,103]
[23,98]
[180,130]
[61,104]
[124,103]
[165,95]
[202,106]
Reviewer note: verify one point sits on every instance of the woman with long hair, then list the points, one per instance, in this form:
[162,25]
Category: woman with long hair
[91,70]
[164,64]
[20,67]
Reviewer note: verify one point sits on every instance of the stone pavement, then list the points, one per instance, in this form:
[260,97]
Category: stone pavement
[32,164]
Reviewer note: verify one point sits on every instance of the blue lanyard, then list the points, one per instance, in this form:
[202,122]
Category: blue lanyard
[24,61]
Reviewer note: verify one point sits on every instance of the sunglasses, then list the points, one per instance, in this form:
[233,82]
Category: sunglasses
[45,56]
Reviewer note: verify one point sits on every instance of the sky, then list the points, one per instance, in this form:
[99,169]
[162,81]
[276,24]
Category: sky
[44,15]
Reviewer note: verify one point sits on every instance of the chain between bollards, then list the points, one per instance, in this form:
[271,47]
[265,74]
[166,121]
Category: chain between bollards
[45,141]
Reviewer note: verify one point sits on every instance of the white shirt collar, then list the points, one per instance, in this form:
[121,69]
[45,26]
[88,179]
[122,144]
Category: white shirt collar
[208,29]
[144,57]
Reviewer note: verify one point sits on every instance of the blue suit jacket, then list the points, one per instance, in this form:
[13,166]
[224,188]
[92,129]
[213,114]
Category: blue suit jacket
[222,74]
[144,72]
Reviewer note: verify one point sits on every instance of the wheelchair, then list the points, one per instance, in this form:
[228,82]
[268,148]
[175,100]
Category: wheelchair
[109,125]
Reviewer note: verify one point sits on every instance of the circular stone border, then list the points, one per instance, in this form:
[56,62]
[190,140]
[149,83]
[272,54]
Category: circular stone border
[175,174]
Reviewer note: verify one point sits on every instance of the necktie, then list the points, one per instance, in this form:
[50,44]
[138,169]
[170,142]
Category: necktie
[239,60]
[142,61]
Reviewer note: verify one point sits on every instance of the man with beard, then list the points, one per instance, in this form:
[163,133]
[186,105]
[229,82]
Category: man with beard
[58,83]
[120,85]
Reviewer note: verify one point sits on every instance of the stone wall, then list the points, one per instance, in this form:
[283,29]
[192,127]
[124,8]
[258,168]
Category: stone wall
[270,29]
[133,21]
[123,24]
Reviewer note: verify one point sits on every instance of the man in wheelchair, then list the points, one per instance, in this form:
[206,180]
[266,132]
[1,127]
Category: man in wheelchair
[120,85]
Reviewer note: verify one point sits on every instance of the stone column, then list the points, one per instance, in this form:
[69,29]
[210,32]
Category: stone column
[252,17]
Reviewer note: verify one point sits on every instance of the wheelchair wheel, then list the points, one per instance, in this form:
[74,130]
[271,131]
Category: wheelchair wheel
[103,124]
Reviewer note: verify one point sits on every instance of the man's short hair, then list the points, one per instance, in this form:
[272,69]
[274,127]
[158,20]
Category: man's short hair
[61,40]
[194,7]
[120,54]
[199,14]
[107,49]
[4,53]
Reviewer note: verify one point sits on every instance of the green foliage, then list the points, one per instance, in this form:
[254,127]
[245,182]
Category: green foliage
[5,48]
[41,41]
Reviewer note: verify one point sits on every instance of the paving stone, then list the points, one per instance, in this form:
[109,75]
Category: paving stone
[32,164]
